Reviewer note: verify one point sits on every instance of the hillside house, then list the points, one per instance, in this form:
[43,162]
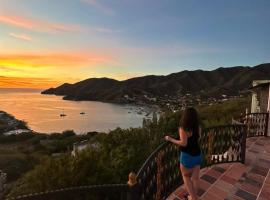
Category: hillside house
[261,98]
[80,146]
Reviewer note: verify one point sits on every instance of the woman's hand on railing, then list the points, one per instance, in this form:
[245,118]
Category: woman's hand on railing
[168,138]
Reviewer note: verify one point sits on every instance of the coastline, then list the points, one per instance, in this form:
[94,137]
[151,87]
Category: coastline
[9,123]
[42,113]
[144,108]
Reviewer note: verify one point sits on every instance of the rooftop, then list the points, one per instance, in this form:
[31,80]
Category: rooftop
[249,181]
[260,84]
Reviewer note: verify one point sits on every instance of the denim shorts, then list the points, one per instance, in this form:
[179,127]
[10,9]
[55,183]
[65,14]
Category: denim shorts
[190,161]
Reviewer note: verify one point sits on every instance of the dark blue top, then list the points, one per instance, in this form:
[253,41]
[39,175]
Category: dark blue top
[193,147]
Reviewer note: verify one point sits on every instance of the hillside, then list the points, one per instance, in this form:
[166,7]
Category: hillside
[122,151]
[228,81]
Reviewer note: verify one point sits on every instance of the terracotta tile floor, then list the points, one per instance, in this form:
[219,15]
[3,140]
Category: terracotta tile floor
[249,181]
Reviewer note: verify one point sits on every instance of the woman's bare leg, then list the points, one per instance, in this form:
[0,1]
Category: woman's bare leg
[195,178]
[187,174]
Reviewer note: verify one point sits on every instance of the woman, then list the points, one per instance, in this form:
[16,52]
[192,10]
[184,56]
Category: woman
[190,157]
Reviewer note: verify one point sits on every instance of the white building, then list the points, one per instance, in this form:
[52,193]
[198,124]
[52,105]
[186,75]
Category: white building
[80,146]
[261,98]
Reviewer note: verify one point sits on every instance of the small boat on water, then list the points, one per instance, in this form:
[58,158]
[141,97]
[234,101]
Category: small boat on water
[82,113]
[63,114]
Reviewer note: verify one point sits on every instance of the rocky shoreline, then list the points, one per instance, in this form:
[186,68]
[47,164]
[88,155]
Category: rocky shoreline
[9,124]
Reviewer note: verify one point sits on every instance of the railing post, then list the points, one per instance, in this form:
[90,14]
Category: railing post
[159,173]
[243,145]
[133,191]
[266,126]
[124,192]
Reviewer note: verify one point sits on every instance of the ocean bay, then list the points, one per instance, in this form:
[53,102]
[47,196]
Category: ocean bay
[42,112]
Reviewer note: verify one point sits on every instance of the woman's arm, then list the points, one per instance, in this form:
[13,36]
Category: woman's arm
[183,138]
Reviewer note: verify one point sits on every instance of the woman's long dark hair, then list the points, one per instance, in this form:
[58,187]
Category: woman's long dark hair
[190,120]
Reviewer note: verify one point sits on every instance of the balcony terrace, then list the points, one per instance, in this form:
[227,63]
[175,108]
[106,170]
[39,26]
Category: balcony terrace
[249,181]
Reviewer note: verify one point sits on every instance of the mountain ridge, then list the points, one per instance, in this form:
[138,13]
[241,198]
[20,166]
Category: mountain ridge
[212,83]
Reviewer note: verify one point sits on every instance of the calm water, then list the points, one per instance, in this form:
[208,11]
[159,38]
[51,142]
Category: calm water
[42,112]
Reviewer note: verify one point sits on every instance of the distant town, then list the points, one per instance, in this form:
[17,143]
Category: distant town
[179,101]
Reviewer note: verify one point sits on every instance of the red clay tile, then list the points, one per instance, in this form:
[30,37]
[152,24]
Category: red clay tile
[239,167]
[237,198]
[259,171]
[266,186]
[261,198]
[256,177]
[245,195]
[209,179]
[226,165]
[250,188]
[203,171]
[180,192]
[210,196]
[236,171]
[204,185]
[214,173]
[224,185]
[265,194]
[218,192]
[267,180]
[228,179]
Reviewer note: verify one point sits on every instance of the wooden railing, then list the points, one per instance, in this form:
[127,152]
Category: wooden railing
[257,124]
[93,192]
[223,144]
[160,174]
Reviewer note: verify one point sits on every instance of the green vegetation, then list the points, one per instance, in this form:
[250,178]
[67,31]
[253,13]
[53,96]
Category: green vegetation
[117,153]
[223,113]
[17,150]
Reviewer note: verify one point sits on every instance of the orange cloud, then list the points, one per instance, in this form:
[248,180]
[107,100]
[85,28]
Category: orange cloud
[37,25]
[21,82]
[45,26]
[51,60]
[21,36]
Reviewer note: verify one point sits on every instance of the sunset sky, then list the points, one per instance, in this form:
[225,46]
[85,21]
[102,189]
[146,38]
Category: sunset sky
[44,43]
